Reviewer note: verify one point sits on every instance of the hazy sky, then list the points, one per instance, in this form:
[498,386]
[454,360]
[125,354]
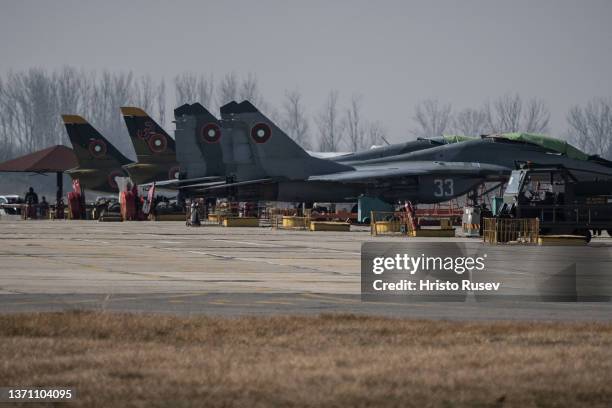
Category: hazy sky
[394,53]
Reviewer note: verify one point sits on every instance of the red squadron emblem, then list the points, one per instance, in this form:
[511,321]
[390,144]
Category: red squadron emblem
[260,133]
[157,143]
[210,133]
[97,148]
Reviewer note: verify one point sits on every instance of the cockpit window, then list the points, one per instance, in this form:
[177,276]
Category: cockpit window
[515,182]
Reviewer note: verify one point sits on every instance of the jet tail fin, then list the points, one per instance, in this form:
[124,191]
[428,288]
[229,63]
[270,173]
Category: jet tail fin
[197,142]
[151,143]
[273,150]
[91,148]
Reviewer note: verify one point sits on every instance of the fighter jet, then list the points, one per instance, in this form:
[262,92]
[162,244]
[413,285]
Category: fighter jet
[261,162]
[155,149]
[99,161]
[510,150]
[196,129]
[197,134]
[400,148]
[200,159]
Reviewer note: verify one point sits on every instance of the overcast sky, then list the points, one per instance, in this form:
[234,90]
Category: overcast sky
[394,53]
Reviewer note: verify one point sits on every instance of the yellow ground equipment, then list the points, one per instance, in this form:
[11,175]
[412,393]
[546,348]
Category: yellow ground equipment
[403,223]
[511,230]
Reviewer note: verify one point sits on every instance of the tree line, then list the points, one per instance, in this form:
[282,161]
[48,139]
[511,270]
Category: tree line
[31,102]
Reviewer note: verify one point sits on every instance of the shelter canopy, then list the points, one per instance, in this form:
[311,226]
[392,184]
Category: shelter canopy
[54,159]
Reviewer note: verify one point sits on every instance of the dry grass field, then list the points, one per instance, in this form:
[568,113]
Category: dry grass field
[329,360]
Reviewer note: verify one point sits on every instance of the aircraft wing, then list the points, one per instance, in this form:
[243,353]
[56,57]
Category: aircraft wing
[365,174]
[217,186]
[327,155]
[176,183]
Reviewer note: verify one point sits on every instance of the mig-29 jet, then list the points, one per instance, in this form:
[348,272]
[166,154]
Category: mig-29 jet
[155,149]
[441,172]
[510,150]
[99,161]
[420,143]
[260,162]
[202,159]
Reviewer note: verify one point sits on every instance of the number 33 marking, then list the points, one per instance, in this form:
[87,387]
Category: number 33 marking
[444,188]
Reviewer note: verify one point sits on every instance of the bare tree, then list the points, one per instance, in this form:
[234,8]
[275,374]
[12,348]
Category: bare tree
[228,89]
[145,93]
[32,101]
[471,122]
[536,116]
[376,134]
[185,86]
[29,100]
[432,119]
[190,87]
[590,128]
[294,119]
[354,127]
[71,89]
[30,106]
[506,114]
[161,102]
[151,96]
[329,124]
[112,90]
[249,90]
[205,91]
[8,137]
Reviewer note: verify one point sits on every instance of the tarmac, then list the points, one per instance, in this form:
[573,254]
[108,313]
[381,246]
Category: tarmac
[166,267]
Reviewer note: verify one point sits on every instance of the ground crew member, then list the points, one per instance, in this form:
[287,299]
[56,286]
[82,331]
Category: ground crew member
[31,200]
[44,208]
[194,216]
[31,197]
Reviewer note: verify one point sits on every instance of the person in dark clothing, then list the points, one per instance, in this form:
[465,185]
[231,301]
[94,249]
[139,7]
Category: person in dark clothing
[31,200]
[44,208]
[31,197]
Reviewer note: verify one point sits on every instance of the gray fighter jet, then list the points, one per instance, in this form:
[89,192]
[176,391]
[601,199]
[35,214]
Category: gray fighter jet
[510,150]
[200,157]
[260,162]
[400,148]
[196,129]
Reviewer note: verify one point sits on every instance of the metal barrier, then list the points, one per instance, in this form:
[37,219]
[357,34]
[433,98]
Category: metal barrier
[389,223]
[506,230]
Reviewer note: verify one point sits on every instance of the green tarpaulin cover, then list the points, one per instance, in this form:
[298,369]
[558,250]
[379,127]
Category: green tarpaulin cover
[457,138]
[560,146]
